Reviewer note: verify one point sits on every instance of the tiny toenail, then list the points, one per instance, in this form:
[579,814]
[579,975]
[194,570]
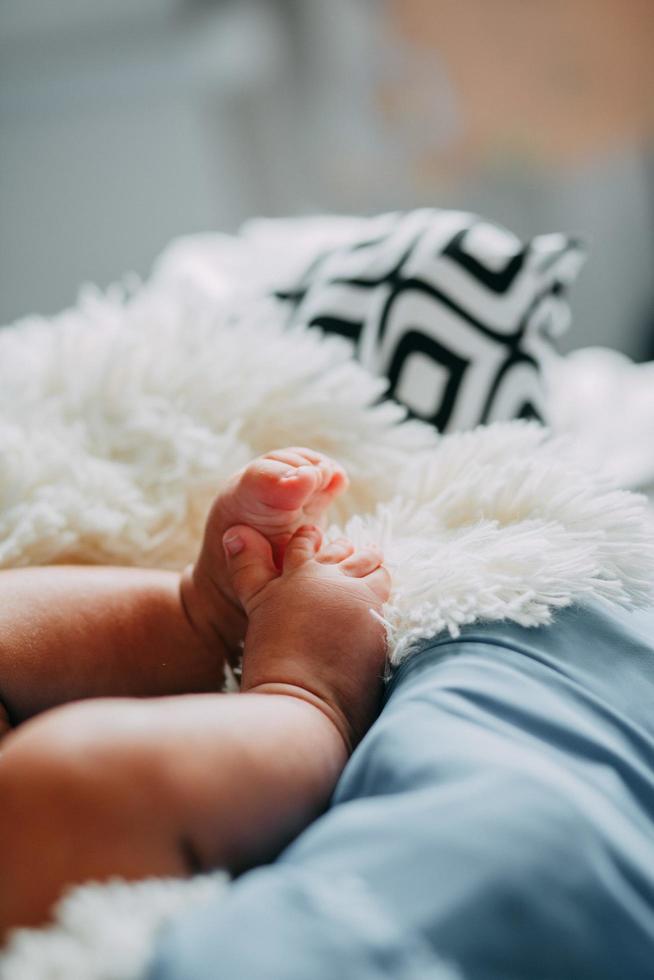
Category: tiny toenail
[233,544]
[289,474]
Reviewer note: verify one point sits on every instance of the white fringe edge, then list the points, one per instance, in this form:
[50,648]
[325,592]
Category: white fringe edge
[502,524]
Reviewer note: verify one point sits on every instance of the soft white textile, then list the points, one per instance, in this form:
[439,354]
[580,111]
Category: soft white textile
[120,419]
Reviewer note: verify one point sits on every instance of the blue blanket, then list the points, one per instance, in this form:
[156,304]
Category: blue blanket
[497,823]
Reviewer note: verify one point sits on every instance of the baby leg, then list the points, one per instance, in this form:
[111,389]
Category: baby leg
[175,785]
[77,632]
[68,633]
[157,787]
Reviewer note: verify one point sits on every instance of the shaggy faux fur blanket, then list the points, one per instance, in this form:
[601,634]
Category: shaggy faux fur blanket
[120,419]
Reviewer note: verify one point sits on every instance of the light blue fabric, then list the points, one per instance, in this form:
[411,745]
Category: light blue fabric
[499,816]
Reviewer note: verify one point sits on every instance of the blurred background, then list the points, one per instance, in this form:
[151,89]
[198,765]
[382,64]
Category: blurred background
[123,125]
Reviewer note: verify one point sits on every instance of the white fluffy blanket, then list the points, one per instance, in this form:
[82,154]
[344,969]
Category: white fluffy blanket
[120,419]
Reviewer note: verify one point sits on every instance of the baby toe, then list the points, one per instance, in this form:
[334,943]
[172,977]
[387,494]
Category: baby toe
[279,483]
[379,580]
[332,483]
[332,476]
[308,455]
[336,551]
[303,546]
[338,481]
[294,456]
[249,562]
[362,562]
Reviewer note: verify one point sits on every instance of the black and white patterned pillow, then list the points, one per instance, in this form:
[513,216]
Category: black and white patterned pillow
[452,308]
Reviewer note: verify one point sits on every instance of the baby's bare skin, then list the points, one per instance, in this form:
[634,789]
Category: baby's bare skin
[77,632]
[275,495]
[168,786]
[334,584]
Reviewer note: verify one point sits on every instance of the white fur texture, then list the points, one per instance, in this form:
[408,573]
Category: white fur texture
[119,421]
[502,524]
[104,932]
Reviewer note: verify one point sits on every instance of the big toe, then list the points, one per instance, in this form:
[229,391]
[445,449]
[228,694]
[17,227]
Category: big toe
[290,479]
[249,560]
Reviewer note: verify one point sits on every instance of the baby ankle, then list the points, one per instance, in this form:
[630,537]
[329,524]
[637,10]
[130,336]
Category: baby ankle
[215,620]
[330,710]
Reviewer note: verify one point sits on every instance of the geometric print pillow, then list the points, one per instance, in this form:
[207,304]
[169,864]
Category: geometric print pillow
[453,309]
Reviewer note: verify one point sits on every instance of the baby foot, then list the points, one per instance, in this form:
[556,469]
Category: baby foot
[311,632]
[275,494]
